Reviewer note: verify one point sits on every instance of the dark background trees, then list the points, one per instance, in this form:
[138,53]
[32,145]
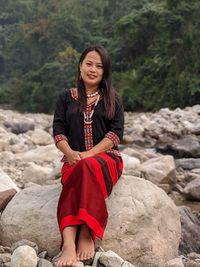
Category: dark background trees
[154,46]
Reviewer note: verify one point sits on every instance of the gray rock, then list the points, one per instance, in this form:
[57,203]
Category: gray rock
[28,215]
[43,254]
[24,242]
[5,257]
[160,170]
[44,263]
[6,182]
[175,263]
[188,164]
[143,225]
[185,147]
[190,241]
[24,256]
[41,137]
[192,190]
[110,259]
[20,126]
[143,221]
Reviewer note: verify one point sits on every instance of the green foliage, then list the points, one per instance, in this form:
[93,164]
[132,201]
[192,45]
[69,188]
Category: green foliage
[154,45]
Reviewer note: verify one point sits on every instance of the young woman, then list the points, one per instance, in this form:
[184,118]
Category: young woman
[87,127]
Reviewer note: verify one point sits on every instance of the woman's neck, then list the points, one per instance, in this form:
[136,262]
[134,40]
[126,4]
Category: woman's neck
[91,90]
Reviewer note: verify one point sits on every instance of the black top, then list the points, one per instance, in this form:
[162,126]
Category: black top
[69,122]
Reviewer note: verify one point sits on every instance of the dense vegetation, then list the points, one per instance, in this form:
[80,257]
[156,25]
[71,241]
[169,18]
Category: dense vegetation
[154,45]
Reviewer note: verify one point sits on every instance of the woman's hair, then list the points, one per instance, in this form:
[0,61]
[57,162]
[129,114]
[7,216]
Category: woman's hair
[105,85]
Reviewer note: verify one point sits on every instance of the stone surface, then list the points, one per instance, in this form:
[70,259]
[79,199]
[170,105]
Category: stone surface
[44,153]
[138,211]
[190,241]
[6,182]
[36,173]
[160,170]
[143,225]
[130,162]
[175,263]
[24,242]
[192,190]
[24,256]
[41,137]
[31,215]
[188,164]
[44,263]
[5,197]
[110,259]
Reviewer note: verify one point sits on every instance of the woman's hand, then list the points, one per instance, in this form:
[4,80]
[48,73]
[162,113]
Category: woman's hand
[85,154]
[73,157]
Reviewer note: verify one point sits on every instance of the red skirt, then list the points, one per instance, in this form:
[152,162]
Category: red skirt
[86,185]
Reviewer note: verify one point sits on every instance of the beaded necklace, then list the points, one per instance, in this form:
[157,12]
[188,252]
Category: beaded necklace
[88,117]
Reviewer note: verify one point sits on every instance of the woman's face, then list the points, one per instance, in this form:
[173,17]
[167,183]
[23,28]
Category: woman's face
[91,69]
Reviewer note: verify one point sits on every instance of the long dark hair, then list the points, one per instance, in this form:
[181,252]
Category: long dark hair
[105,84]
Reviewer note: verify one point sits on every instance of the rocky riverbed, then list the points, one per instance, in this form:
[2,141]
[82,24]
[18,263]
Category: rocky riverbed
[161,153]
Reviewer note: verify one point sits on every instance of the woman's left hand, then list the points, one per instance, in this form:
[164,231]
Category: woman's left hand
[85,154]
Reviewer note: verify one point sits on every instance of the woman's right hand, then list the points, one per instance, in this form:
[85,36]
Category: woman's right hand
[73,157]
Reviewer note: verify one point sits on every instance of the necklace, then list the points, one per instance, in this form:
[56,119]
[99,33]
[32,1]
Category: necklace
[88,117]
[93,94]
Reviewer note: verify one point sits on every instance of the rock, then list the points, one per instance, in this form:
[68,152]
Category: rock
[24,256]
[135,153]
[28,215]
[127,139]
[18,148]
[96,258]
[5,257]
[187,164]
[40,137]
[6,182]
[4,145]
[130,162]
[19,126]
[43,254]
[5,197]
[110,259]
[127,264]
[192,190]
[44,263]
[46,153]
[143,225]
[36,174]
[24,242]
[186,147]
[160,170]
[175,263]
[190,241]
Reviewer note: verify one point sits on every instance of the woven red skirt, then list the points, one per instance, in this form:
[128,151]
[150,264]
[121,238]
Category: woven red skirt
[86,185]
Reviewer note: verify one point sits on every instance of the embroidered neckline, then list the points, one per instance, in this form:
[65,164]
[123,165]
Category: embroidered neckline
[74,95]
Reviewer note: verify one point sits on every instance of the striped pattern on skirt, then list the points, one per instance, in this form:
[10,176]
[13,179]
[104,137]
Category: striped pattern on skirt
[86,185]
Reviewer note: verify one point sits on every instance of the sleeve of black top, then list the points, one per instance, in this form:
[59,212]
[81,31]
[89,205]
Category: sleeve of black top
[59,120]
[117,122]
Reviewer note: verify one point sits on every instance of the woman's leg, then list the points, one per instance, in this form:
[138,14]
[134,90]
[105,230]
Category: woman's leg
[68,256]
[85,249]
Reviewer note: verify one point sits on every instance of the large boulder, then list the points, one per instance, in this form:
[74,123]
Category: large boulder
[31,215]
[143,224]
[160,170]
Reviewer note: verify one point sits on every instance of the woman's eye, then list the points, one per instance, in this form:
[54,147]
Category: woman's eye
[99,66]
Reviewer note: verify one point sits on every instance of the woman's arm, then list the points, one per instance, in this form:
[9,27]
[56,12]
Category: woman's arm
[102,146]
[71,155]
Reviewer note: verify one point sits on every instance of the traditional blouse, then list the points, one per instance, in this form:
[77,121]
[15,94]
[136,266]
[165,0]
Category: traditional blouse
[69,125]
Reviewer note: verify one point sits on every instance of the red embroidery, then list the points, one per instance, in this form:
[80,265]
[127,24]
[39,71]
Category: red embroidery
[59,137]
[113,137]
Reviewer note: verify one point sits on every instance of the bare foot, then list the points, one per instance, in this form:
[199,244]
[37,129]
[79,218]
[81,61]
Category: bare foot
[68,256]
[85,249]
